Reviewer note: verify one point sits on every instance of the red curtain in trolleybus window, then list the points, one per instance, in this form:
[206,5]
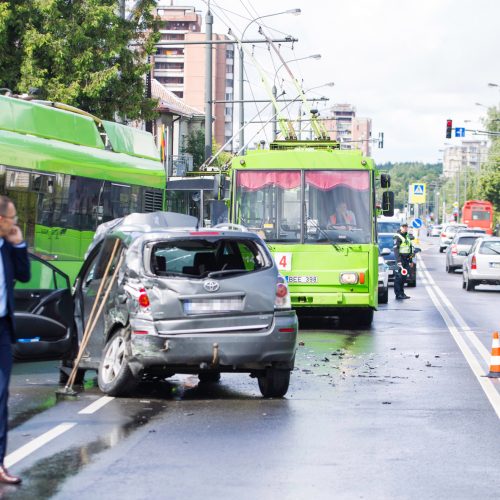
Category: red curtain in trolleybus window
[253,180]
[325,180]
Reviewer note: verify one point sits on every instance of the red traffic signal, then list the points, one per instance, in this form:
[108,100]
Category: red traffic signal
[449,127]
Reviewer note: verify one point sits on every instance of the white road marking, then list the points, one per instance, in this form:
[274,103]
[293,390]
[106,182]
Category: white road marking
[485,383]
[37,443]
[96,405]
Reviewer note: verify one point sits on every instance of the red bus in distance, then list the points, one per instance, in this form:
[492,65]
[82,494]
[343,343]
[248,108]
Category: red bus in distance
[478,214]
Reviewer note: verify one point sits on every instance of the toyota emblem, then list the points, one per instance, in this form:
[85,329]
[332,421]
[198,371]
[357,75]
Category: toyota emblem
[211,285]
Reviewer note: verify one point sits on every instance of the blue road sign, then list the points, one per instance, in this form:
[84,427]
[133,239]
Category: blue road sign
[418,189]
[459,132]
[417,223]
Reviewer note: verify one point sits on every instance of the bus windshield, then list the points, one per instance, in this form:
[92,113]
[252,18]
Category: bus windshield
[319,206]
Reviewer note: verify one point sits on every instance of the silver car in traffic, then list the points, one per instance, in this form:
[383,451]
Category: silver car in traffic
[459,248]
[185,300]
[482,265]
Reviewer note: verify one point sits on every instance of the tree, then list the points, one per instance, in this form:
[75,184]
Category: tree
[195,146]
[80,53]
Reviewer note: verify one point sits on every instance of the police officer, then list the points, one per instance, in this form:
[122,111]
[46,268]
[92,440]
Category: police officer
[403,251]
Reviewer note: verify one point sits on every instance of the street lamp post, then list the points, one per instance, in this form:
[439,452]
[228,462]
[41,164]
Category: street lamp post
[275,91]
[241,70]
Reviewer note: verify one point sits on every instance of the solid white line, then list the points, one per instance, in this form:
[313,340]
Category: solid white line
[485,354]
[485,383]
[37,443]
[96,405]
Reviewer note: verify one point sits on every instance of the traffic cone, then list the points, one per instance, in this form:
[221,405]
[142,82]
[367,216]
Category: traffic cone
[495,357]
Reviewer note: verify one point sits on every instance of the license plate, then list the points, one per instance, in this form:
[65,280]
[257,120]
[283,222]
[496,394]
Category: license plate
[495,265]
[201,306]
[302,279]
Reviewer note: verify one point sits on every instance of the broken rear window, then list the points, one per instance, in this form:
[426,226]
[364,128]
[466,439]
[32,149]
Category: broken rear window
[199,258]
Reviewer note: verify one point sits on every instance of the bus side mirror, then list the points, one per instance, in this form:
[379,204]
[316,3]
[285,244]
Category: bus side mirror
[388,203]
[385,180]
[219,190]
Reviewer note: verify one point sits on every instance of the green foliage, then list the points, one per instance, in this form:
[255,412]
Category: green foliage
[404,174]
[79,53]
[195,146]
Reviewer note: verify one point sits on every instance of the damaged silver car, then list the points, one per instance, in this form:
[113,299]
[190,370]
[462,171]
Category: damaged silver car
[178,299]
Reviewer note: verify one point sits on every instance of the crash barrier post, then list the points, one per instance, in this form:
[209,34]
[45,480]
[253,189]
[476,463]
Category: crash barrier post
[495,357]
[92,319]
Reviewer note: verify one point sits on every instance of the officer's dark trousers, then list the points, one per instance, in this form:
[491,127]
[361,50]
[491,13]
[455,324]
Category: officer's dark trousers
[5,369]
[400,280]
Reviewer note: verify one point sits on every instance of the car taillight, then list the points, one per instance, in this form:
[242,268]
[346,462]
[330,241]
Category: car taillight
[282,300]
[473,264]
[143,298]
[443,235]
[454,249]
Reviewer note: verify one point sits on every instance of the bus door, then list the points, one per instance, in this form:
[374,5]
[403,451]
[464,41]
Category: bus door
[44,315]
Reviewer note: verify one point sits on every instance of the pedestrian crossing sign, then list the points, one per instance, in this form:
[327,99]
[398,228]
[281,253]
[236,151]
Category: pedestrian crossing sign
[417,193]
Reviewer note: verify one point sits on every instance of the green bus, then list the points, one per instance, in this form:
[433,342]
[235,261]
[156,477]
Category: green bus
[315,205]
[68,172]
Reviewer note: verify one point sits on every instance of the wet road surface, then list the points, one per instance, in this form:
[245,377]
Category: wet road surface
[391,412]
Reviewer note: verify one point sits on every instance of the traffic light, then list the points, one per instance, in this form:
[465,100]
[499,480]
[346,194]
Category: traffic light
[449,128]
[380,140]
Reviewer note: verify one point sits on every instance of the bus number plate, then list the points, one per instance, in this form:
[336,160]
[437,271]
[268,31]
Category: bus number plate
[302,279]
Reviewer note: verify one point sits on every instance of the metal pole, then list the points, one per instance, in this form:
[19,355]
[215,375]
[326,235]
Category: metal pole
[242,105]
[274,122]
[208,85]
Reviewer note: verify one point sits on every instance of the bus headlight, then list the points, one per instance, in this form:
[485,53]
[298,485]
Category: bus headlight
[349,278]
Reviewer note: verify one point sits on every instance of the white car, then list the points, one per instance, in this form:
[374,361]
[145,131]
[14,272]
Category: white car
[447,235]
[482,265]
[383,281]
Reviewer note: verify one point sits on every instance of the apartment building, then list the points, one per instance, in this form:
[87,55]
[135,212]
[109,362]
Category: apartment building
[345,127]
[467,156]
[180,67]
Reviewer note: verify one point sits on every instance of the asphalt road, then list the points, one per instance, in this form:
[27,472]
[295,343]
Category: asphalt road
[398,411]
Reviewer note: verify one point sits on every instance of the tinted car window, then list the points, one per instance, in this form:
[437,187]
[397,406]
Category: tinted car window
[388,227]
[467,240]
[199,257]
[490,248]
[385,242]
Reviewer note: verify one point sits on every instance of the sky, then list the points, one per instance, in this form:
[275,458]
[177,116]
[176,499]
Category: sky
[407,65]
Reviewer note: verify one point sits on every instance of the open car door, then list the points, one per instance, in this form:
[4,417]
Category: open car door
[44,315]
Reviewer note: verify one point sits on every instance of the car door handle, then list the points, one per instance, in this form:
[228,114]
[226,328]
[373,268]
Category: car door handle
[34,295]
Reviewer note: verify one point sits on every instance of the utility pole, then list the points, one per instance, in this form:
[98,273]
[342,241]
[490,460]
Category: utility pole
[208,84]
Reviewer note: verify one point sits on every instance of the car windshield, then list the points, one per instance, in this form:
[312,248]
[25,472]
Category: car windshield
[317,206]
[385,241]
[207,257]
[490,248]
[388,227]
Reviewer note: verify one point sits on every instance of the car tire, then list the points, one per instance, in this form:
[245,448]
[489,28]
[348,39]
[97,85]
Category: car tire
[209,377]
[274,382]
[463,282]
[470,285]
[383,298]
[449,269]
[114,376]
[441,249]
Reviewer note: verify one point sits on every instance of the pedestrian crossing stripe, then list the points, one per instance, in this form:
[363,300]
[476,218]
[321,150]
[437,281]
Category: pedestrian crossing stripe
[418,189]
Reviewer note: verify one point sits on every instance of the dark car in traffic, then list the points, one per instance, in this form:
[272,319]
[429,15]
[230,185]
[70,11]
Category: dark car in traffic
[386,250]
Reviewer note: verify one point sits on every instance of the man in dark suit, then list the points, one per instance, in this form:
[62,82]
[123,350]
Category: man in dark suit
[14,265]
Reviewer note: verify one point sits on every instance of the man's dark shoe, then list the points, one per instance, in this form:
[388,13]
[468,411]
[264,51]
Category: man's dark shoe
[7,478]
[399,297]
[406,296]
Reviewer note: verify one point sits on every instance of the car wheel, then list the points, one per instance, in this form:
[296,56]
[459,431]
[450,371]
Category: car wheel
[206,377]
[114,377]
[449,269]
[470,285]
[274,382]
[441,249]
[383,298]
[463,282]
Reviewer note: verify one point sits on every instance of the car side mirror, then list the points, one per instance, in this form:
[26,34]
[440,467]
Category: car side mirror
[385,251]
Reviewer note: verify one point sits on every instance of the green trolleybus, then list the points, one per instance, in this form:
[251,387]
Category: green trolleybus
[68,171]
[315,206]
